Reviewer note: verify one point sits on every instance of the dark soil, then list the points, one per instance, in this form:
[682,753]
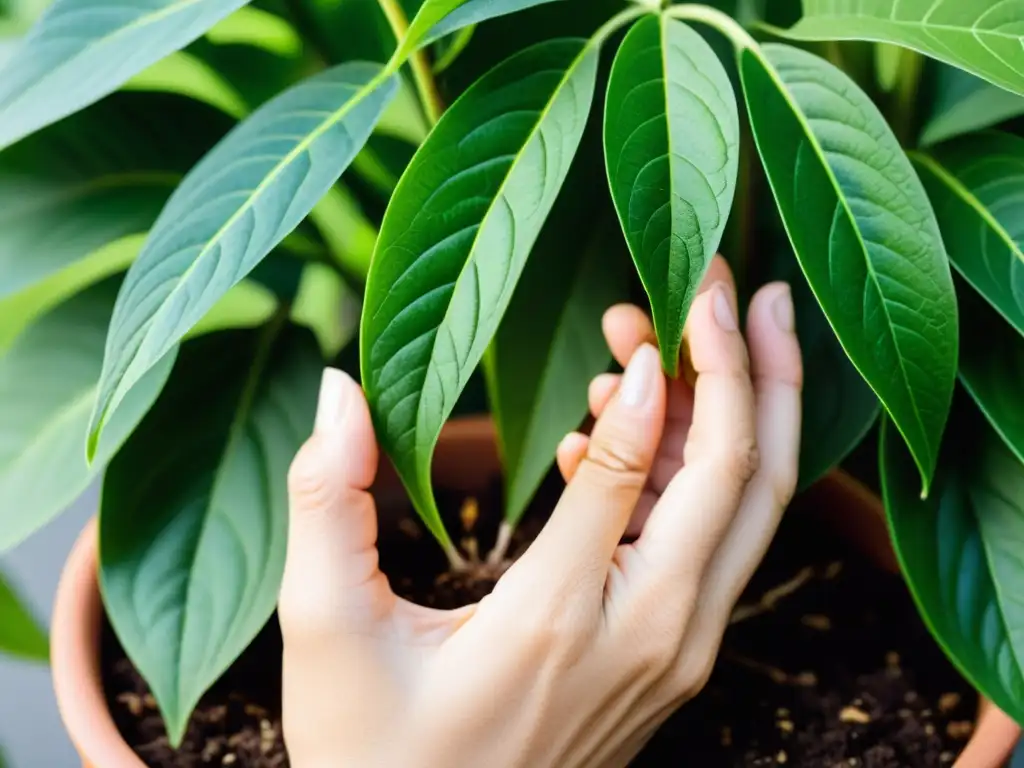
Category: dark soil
[837,671]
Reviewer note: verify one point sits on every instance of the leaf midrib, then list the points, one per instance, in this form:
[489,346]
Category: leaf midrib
[542,116]
[138,23]
[379,79]
[813,141]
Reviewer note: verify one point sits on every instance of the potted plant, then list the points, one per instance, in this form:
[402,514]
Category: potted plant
[194,193]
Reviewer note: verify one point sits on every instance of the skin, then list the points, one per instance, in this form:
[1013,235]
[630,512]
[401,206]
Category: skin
[586,644]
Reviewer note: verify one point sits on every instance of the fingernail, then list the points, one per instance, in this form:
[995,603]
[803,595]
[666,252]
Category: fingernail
[724,315]
[638,380]
[782,310]
[331,402]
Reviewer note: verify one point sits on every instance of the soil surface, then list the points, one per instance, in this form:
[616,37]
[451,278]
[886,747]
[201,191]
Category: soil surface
[826,664]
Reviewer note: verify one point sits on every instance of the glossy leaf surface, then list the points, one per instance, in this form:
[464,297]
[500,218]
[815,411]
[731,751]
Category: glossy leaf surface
[47,384]
[992,369]
[250,192]
[863,229]
[965,103]
[984,37]
[454,242]
[437,18]
[94,178]
[976,185]
[960,554]
[20,633]
[192,546]
[82,50]
[672,150]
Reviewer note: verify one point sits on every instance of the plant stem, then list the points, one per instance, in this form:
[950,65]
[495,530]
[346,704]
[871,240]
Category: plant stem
[497,555]
[714,18]
[620,20]
[909,79]
[422,73]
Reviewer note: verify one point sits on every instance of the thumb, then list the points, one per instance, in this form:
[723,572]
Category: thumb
[331,578]
[590,519]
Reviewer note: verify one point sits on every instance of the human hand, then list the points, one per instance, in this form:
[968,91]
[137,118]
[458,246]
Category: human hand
[586,645]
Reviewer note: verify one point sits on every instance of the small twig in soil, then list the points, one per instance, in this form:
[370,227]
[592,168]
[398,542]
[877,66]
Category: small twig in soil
[776,675]
[772,597]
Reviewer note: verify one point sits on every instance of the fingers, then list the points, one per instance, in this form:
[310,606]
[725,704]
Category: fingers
[589,520]
[778,376]
[687,524]
[331,578]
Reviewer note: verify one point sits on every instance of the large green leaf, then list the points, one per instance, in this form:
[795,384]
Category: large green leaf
[188,75]
[20,634]
[437,18]
[454,242]
[960,552]
[81,50]
[192,545]
[992,369]
[94,178]
[672,150]
[976,184]
[250,192]
[47,385]
[550,344]
[864,231]
[985,37]
[965,103]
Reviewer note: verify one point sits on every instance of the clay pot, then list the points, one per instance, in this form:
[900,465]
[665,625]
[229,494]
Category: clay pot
[465,443]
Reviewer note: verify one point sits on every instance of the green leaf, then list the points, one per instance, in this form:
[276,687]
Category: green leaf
[47,385]
[438,18]
[984,37]
[192,546]
[454,242]
[251,191]
[93,179]
[550,343]
[960,552]
[258,28]
[672,151]
[82,50]
[20,633]
[976,185]
[865,234]
[839,408]
[992,371]
[188,75]
[965,103]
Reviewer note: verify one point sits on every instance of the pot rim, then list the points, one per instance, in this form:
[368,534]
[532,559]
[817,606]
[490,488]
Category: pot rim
[78,615]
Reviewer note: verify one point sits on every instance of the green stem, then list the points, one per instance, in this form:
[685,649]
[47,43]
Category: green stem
[714,18]
[621,19]
[426,86]
[904,117]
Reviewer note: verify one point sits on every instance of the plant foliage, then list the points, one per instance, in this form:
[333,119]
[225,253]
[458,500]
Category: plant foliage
[465,186]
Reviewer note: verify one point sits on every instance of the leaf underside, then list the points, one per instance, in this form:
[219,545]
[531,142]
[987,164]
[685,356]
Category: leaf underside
[960,551]
[984,37]
[246,196]
[82,50]
[864,232]
[455,238]
[672,151]
[965,103]
[192,547]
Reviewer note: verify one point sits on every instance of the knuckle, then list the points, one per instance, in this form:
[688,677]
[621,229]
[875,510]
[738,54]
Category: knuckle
[619,460]
[741,459]
[307,480]
[691,675]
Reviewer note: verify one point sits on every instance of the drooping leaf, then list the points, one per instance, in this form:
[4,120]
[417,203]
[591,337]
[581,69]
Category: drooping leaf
[992,368]
[965,103]
[672,150]
[438,18]
[550,343]
[976,184]
[81,50]
[257,28]
[864,231]
[187,75]
[960,554]
[47,384]
[984,37]
[245,196]
[192,546]
[94,178]
[839,408]
[454,242]
[20,633]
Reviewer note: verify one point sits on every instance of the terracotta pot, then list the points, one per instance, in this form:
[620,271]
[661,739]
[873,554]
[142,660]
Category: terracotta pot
[466,460]
[858,514]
